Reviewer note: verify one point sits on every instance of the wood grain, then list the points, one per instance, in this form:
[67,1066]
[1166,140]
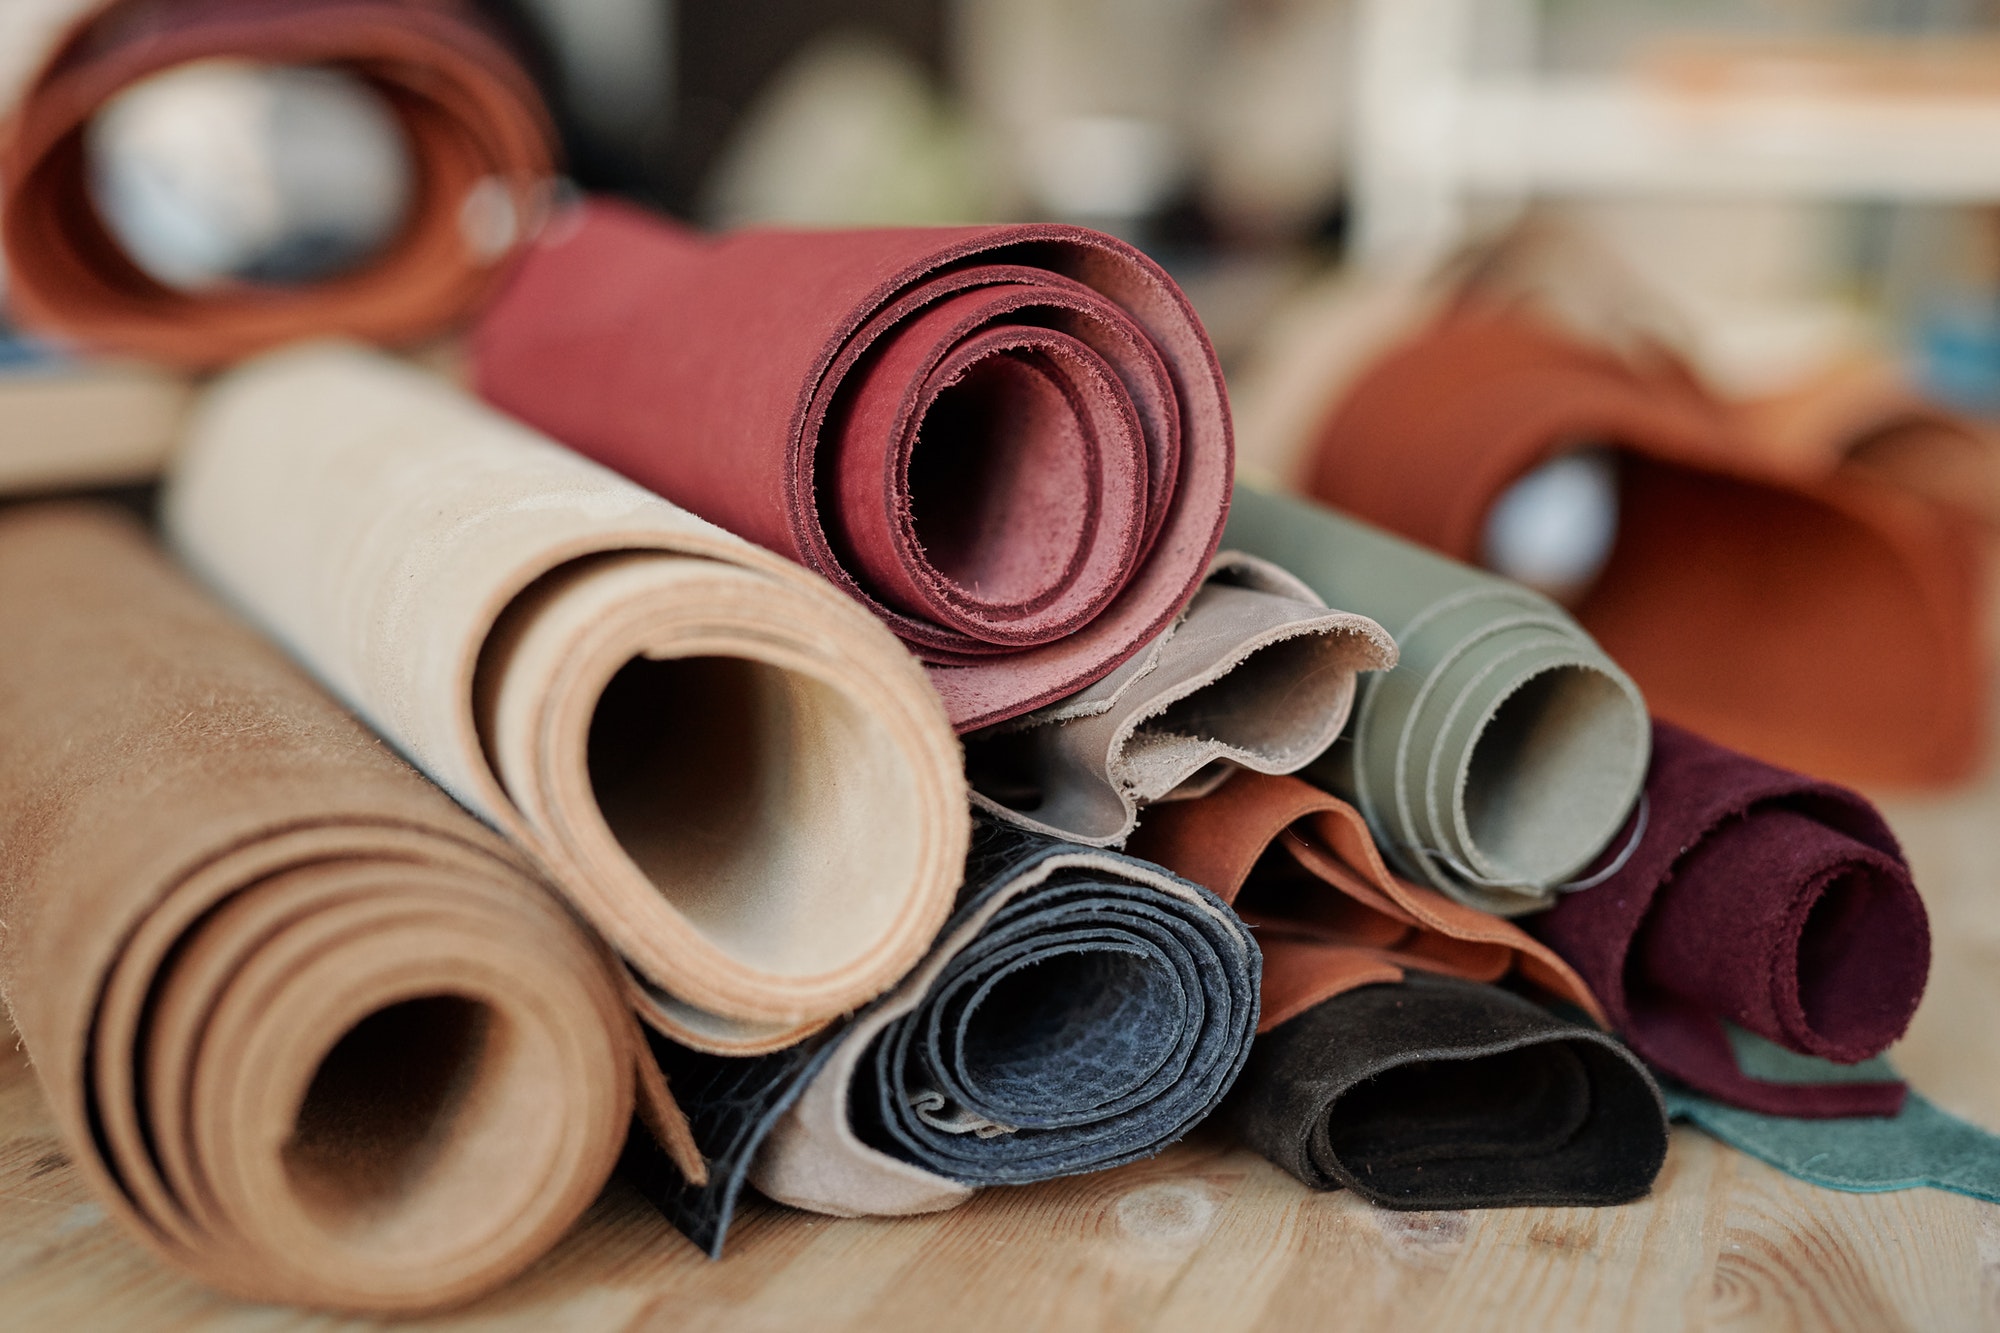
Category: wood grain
[1209,1237]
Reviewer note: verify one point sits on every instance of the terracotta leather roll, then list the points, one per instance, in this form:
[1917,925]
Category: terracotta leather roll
[1504,751]
[737,775]
[1257,674]
[311,1032]
[1759,898]
[1081,1010]
[1829,623]
[1442,1093]
[1863,415]
[1011,443]
[477,133]
[1298,864]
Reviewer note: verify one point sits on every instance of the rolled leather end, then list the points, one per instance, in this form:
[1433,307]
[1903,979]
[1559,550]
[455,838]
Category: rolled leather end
[1504,751]
[1257,674]
[1298,864]
[312,1033]
[736,774]
[477,132]
[1011,443]
[1718,528]
[1441,1093]
[1759,898]
[1082,1009]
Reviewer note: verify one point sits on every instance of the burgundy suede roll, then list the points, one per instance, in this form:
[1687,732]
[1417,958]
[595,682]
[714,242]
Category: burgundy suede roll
[1011,443]
[1761,898]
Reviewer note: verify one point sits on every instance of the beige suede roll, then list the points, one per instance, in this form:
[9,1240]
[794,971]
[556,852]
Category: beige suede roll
[734,772]
[310,1031]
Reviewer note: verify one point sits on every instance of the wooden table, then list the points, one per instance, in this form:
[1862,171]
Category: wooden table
[1208,1236]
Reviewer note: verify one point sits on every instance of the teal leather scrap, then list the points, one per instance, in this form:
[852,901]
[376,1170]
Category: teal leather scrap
[1920,1146]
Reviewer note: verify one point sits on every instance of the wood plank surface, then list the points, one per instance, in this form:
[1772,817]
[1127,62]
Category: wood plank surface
[1209,1237]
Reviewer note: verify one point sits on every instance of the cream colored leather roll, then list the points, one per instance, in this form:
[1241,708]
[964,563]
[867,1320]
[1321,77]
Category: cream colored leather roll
[734,772]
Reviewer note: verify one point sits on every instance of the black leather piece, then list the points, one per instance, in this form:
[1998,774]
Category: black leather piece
[1443,1093]
[731,1106]
[1096,1016]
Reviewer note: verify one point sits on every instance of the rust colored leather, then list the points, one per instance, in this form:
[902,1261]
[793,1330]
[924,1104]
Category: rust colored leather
[470,111]
[1299,866]
[775,384]
[209,873]
[1863,413]
[1828,623]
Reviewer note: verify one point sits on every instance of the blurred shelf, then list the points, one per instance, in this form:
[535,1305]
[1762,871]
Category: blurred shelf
[1451,115]
[1620,135]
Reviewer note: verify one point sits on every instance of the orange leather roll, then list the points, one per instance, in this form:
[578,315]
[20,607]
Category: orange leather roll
[475,126]
[1823,621]
[1298,864]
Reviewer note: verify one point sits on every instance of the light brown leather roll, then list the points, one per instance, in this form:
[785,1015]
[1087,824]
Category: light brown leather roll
[475,125]
[311,1032]
[735,772]
[1257,673]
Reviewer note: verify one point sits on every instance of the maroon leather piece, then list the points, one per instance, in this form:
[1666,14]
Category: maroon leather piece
[1761,898]
[1011,443]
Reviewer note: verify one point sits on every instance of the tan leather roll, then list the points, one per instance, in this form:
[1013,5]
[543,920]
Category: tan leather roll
[1257,673]
[474,123]
[311,1032]
[734,772]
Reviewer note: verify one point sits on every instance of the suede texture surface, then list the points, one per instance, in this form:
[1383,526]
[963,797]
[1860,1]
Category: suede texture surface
[736,774]
[1257,674]
[1298,865]
[1504,751]
[1863,414]
[1011,443]
[1840,617]
[1760,898]
[309,1031]
[471,116]
[1919,1146]
[1437,1092]
[1081,1010]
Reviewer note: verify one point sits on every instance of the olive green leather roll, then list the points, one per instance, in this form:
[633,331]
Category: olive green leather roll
[1505,752]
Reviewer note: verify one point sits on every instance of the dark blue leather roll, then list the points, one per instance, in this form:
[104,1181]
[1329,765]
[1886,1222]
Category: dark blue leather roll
[1082,1009]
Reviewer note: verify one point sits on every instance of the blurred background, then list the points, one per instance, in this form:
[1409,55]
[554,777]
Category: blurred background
[1779,182]
[1786,181]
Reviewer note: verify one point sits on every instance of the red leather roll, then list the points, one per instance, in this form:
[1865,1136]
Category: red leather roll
[473,119]
[1830,623]
[1075,458]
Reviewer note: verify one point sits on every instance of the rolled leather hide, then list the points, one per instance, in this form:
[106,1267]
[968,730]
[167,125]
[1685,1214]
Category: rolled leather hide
[1504,751]
[1256,674]
[474,124]
[311,1032]
[1442,1093]
[734,773]
[1830,622]
[1081,1010]
[1861,416]
[1759,898]
[1011,443]
[1298,865]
